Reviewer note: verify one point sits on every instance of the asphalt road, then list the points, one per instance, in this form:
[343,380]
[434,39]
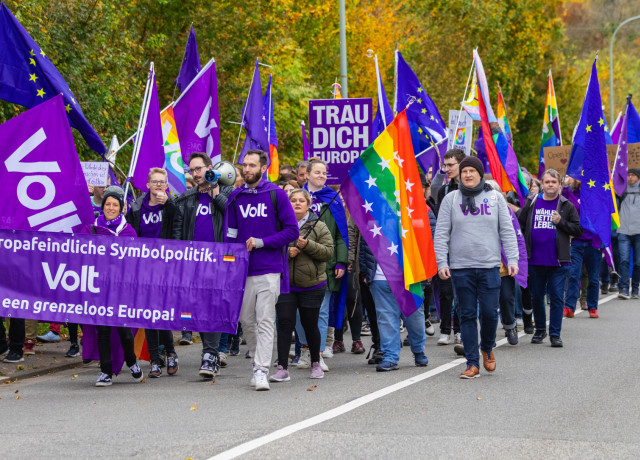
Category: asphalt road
[581,401]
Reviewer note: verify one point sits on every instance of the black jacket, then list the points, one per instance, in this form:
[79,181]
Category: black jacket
[168,211]
[367,261]
[442,192]
[568,226]
[184,220]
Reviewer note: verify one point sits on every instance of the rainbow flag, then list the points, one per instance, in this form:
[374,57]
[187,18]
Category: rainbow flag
[384,197]
[551,136]
[472,105]
[274,163]
[172,152]
[502,117]
[335,90]
[503,162]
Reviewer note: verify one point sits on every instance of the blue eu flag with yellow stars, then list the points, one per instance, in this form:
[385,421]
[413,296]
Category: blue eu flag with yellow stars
[28,77]
[428,130]
[588,164]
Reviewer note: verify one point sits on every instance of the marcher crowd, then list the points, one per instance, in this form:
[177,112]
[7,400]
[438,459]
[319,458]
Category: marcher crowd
[498,263]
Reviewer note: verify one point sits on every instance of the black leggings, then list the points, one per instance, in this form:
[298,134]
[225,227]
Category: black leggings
[104,347]
[308,303]
[446,305]
[155,338]
[73,332]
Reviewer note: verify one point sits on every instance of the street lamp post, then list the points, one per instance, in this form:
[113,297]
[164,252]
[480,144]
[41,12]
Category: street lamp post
[611,62]
[343,52]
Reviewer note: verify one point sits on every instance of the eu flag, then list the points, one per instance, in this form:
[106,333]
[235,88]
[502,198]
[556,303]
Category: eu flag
[28,77]
[588,163]
[428,130]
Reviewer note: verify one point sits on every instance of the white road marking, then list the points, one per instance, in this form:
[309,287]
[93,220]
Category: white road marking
[348,407]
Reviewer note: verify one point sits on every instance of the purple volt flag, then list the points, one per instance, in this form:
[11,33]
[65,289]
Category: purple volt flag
[620,168]
[196,112]
[150,141]
[254,118]
[306,150]
[340,130]
[191,63]
[481,150]
[42,185]
[129,282]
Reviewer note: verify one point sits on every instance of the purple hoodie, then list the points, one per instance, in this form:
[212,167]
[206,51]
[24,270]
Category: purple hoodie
[249,214]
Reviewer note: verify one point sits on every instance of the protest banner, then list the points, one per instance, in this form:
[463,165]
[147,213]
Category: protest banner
[129,282]
[558,157]
[95,172]
[43,187]
[462,124]
[340,130]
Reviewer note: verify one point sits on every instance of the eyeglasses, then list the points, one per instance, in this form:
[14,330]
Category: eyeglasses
[196,170]
[449,165]
[157,182]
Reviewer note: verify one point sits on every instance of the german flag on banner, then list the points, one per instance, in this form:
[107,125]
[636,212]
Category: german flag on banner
[384,195]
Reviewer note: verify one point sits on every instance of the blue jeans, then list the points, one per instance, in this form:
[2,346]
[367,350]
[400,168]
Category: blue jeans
[388,313]
[323,322]
[625,243]
[543,279]
[584,252]
[477,291]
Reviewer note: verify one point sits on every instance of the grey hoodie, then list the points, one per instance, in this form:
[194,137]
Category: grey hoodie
[630,210]
[473,241]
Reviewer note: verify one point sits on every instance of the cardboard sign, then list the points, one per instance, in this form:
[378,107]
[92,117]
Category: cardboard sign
[340,130]
[95,172]
[462,124]
[558,157]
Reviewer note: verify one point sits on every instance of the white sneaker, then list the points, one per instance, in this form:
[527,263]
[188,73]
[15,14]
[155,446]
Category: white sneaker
[323,365]
[519,324]
[402,328]
[305,359]
[444,339]
[457,338]
[260,378]
[430,330]
[327,353]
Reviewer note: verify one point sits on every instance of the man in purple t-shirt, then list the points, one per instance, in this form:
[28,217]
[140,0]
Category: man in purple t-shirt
[549,221]
[199,217]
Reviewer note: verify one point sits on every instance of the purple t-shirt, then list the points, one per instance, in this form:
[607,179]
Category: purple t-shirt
[151,221]
[203,230]
[543,234]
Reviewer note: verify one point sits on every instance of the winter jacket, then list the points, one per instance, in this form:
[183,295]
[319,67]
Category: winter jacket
[308,268]
[184,220]
[134,216]
[568,226]
[368,262]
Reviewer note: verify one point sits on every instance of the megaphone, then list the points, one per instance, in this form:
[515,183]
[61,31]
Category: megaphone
[222,172]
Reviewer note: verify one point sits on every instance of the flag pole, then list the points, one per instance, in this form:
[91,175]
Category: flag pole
[244,110]
[378,83]
[141,122]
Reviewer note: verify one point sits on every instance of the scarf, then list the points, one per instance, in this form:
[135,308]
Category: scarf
[115,226]
[469,194]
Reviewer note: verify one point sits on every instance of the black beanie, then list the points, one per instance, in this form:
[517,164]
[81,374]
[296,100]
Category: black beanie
[635,171]
[472,162]
[116,192]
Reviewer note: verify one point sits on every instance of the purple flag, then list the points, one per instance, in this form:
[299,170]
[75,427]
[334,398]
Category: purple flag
[150,141]
[191,63]
[42,185]
[129,282]
[523,262]
[196,112]
[254,119]
[615,130]
[621,165]
[306,150]
[481,151]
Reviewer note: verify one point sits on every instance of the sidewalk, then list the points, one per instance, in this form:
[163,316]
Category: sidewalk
[49,358]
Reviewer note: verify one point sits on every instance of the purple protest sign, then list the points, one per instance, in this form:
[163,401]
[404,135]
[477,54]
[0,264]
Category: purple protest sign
[340,130]
[43,187]
[196,112]
[132,282]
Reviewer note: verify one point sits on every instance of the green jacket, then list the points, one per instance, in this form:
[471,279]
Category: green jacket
[340,254]
[308,269]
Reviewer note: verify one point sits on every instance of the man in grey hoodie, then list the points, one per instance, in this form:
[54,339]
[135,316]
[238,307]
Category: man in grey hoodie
[472,223]
[629,235]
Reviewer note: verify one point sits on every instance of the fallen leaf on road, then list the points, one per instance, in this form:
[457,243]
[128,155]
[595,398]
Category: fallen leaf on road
[19,368]
[211,383]
[194,407]
[75,376]
[16,391]
[18,397]
[312,387]
[94,402]
[479,398]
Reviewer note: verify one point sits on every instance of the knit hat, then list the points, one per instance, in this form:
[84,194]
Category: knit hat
[472,162]
[116,192]
[635,171]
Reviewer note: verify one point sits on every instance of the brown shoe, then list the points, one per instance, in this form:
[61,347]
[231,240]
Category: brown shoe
[489,361]
[357,347]
[29,347]
[471,372]
[583,305]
